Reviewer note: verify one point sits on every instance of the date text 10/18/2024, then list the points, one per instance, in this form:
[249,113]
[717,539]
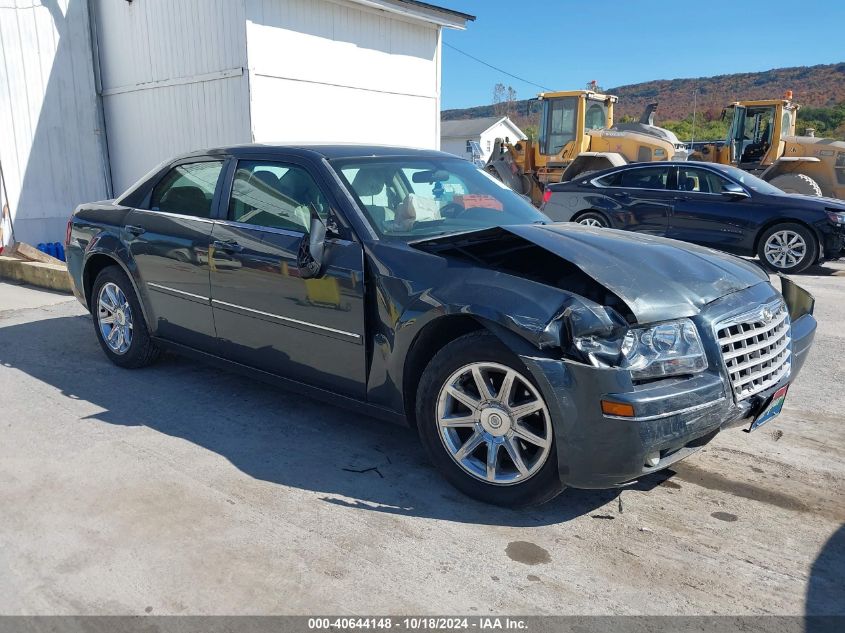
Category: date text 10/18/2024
[418,623]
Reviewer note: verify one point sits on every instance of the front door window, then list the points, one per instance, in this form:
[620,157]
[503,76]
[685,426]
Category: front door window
[275,195]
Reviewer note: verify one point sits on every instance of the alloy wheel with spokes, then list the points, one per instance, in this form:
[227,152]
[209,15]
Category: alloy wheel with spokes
[114,317]
[590,222]
[785,249]
[494,423]
[592,218]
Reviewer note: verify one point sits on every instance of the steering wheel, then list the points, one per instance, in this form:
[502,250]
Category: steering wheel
[452,210]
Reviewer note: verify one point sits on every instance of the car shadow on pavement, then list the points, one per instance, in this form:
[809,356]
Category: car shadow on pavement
[826,586]
[268,433]
[820,270]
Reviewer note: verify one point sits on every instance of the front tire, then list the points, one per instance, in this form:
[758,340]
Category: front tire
[788,248]
[485,424]
[119,321]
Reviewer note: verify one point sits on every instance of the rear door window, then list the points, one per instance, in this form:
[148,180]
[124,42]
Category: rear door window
[644,178]
[188,189]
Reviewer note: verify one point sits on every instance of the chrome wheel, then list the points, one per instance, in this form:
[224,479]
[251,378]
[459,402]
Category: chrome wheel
[114,316]
[590,222]
[785,249]
[494,423]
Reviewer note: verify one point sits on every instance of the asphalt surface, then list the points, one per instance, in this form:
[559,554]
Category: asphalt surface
[182,489]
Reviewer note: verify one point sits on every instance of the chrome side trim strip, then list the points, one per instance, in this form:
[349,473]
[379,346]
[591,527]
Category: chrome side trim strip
[178,292]
[258,227]
[646,418]
[170,214]
[286,319]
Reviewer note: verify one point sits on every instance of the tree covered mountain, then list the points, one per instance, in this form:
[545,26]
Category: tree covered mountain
[819,89]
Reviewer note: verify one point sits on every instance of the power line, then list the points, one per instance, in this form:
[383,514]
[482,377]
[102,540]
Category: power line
[481,61]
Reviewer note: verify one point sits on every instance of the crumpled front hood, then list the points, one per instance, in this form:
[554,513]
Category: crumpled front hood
[658,278]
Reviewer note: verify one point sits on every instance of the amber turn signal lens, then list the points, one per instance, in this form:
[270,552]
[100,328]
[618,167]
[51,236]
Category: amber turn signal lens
[617,408]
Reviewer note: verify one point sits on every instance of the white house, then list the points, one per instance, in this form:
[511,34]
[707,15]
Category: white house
[95,93]
[455,135]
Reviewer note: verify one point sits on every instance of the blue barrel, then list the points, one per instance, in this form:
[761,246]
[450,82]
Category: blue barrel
[60,251]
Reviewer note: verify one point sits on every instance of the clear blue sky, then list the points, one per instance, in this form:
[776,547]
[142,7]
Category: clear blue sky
[563,44]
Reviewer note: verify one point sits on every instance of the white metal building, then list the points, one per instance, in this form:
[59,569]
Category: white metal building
[94,93]
[455,135]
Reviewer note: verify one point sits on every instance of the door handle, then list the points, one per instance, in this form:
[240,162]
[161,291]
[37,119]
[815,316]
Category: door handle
[135,230]
[229,245]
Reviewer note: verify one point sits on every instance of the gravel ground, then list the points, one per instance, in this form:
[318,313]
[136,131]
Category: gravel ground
[182,489]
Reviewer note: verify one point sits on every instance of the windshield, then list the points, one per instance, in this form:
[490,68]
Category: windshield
[413,198]
[752,182]
[559,124]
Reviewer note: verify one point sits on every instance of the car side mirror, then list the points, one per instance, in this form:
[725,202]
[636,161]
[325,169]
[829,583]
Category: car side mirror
[733,190]
[310,258]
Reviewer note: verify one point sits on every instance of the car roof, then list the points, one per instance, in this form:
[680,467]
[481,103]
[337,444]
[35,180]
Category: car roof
[562,186]
[329,151]
[670,163]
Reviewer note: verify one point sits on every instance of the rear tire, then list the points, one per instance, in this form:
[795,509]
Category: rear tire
[119,321]
[592,218]
[797,183]
[788,248]
[513,460]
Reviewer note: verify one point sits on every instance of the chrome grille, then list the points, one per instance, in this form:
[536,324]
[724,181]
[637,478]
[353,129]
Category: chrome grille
[756,348]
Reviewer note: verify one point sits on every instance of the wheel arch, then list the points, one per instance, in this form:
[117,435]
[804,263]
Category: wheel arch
[94,264]
[789,220]
[578,214]
[440,332]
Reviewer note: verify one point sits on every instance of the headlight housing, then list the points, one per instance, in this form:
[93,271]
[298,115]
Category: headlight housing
[837,217]
[657,351]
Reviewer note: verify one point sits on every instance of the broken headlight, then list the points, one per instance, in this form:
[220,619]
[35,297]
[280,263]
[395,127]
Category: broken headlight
[666,349]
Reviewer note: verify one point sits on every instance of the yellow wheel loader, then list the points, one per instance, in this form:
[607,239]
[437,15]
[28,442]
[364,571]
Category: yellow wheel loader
[761,139]
[577,136]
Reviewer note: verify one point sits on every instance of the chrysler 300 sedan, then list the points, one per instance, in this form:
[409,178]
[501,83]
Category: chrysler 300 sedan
[411,285]
[708,204]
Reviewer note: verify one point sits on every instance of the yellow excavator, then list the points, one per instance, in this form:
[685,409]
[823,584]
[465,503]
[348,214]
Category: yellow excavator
[577,135]
[761,139]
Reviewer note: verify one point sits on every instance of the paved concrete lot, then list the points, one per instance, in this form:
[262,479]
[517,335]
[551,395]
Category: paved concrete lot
[182,489]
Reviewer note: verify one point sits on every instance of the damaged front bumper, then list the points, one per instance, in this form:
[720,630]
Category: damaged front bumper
[673,417]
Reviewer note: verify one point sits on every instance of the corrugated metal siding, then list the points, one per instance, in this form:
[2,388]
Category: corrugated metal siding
[153,40]
[49,142]
[331,71]
[149,126]
[173,79]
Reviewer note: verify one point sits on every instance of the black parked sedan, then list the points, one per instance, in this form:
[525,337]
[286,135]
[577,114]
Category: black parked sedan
[713,205]
[414,286]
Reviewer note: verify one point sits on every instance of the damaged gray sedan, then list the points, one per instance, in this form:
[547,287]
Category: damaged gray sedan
[529,356]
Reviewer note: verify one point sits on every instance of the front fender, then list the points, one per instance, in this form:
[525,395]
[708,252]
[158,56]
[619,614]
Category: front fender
[514,309]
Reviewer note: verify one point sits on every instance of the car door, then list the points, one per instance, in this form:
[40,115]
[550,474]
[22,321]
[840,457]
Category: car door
[168,237]
[702,214]
[641,197]
[266,314]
